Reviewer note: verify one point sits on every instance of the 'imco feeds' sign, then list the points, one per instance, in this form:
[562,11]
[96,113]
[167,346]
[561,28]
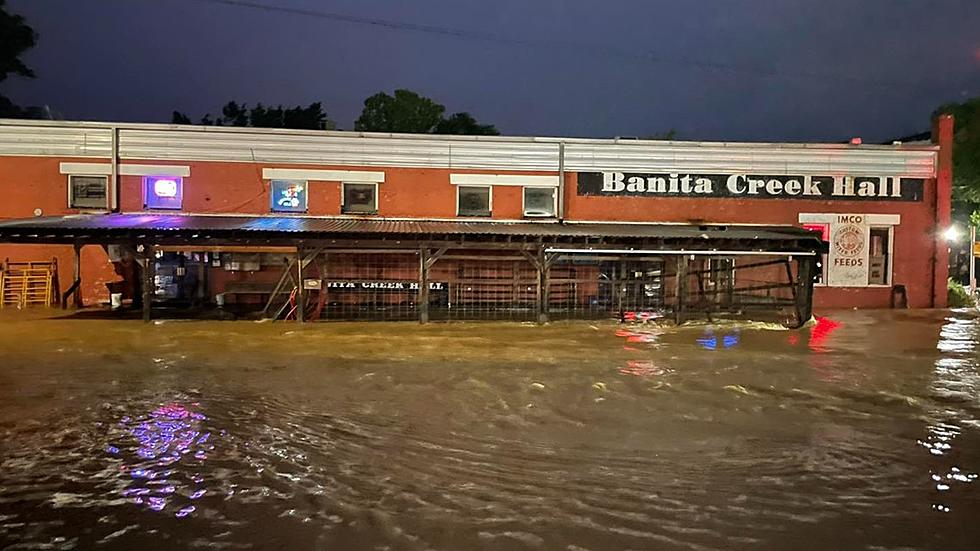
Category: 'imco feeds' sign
[747,186]
[848,257]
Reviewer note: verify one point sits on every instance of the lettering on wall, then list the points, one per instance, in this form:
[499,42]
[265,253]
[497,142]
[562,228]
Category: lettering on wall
[848,256]
[747,186]
[382,285]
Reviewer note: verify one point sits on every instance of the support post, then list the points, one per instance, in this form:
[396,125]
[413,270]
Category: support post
[148,277]
[300,293]
[680,288]
[973,260]
[619,282]
[544,283]
[77,275]
[202,279]
[423,292]
[806,267]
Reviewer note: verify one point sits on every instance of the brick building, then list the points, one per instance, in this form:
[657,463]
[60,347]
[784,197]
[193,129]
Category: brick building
[406,226]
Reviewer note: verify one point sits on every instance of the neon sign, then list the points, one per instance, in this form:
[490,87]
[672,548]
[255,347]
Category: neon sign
[163,192]
[288,196]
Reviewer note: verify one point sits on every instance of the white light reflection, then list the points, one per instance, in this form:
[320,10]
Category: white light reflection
[955,383]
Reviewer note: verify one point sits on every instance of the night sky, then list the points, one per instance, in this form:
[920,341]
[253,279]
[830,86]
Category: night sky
[780,70]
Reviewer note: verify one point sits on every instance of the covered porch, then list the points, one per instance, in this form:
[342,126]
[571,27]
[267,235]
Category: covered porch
[308,268]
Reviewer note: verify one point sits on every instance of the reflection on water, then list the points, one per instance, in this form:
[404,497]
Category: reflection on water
[863,428]
[166,451]
[956,389]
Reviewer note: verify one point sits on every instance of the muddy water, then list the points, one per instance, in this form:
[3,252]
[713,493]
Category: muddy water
[860,432]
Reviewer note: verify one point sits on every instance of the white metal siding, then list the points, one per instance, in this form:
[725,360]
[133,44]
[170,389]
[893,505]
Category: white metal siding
[162,142]
[54,141]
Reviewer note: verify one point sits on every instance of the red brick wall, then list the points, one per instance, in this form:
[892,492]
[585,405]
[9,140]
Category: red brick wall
[915,237]
[28,183]
[235,187]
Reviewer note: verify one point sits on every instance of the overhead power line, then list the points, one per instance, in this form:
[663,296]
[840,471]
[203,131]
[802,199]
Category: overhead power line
[651,57]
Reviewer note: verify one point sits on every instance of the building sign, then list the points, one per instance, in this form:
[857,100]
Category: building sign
[381,285]
[288,195]
[848,257]
[163,192]
[748,186]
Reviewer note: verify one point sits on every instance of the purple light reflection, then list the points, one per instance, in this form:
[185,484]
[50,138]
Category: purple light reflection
[166,450]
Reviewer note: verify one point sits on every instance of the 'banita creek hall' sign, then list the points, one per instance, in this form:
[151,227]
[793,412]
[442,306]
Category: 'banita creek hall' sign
[748,186]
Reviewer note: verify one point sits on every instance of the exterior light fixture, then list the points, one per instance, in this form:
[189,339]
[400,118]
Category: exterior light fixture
[952,234]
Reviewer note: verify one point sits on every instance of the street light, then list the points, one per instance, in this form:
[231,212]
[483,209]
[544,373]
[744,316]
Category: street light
[952,234]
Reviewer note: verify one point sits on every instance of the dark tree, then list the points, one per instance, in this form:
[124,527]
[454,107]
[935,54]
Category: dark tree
[179,118]
[311,117]
[16,37]
[266,117]
[234,114]
[464,123]
[668,135]
[406,111]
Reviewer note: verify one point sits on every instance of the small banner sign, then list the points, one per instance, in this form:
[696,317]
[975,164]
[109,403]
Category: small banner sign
[747,186]
[353,285]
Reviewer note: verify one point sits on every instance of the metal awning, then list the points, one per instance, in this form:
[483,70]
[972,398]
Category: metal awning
[278,230]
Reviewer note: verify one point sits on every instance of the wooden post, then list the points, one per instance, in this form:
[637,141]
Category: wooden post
[423,292]
[148,278]
[300,302]
[806,267]
[544,282]
[202,278]
[77,275]
[681,288]
[619,281]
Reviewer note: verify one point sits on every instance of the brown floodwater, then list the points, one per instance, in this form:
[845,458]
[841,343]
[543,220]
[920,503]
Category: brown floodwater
[860,432]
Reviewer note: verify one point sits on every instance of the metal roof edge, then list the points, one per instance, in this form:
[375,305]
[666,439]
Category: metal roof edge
[99,125]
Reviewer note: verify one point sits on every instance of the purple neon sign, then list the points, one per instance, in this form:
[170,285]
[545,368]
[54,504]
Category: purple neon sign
[163,192]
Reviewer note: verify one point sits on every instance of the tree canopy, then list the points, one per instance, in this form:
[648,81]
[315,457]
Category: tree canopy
[966,150]
[407,111]
[17,38]
[464,123]
[311,117]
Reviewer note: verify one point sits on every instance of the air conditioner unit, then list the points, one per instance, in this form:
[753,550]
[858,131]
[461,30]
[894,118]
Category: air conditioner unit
[538,214]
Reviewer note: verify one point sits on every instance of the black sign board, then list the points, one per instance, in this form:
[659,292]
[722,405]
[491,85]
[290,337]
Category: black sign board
[380,285]
[747,186]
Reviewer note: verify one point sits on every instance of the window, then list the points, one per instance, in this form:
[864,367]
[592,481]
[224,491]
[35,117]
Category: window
[288,195]
[473,201]
[879,257]
[824,229]
[87,192]
[539,201]
[359,199]
[163,192]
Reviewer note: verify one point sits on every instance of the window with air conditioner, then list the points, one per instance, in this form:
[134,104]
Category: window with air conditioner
[539,202]
[88,192]
[359,199]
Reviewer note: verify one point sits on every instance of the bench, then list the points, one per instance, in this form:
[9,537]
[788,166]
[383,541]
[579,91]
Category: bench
[237,288]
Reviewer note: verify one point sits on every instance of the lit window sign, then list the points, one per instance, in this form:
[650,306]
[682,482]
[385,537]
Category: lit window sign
[163,192]
[165,188]
[288,196]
